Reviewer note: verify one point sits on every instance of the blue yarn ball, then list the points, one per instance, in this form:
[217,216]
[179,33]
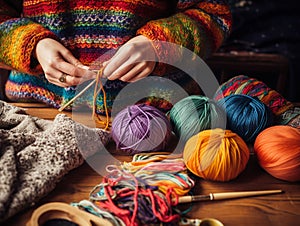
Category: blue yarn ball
[247,116]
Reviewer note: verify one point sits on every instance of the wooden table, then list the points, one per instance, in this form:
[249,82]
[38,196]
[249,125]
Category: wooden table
[273,210]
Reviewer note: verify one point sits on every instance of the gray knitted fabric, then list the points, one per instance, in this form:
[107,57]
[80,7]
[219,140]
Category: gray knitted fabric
[35,154]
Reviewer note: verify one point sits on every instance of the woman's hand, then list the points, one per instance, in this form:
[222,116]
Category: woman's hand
[59,65]
[133,61]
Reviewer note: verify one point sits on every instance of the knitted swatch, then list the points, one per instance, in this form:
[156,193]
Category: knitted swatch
[35,154]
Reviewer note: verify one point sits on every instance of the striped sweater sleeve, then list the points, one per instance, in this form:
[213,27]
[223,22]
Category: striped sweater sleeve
[18,38]
[199,25]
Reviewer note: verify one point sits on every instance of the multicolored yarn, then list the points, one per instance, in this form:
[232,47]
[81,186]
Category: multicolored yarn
[162,170]
[17,36]
[252,87]
[89,29]
[90,207]
[144,191]
[291,117]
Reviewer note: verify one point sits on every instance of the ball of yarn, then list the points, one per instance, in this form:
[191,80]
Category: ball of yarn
[291,117]
[195,113]
[246,116]
[217,154]
[278,152]
[253,87]
[140,128]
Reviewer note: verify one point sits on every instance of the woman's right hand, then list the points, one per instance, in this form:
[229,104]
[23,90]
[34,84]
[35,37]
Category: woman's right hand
[57,62]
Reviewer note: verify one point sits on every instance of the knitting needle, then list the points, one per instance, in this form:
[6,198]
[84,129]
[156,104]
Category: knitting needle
[77,96]
[225,195]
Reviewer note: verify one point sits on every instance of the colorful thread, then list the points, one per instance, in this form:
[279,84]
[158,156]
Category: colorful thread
[162,170]
[291,117]
[253,87]
[97,211]
[131,192]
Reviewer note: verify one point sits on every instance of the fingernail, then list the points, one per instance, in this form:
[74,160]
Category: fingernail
[84,67]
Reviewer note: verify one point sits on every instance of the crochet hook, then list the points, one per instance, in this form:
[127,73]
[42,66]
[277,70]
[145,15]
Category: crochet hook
[225,195]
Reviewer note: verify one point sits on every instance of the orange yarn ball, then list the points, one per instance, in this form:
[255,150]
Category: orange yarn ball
[278,152]
[218,155]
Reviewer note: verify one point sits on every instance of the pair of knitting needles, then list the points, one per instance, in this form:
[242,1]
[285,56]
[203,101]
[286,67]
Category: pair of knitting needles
[77,96]
[95,116]
[80,93]
[225,195]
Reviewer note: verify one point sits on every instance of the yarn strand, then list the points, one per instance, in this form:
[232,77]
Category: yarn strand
[144,191]
[95,116]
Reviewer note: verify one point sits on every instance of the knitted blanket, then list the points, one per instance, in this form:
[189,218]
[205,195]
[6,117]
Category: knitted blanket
[35,154]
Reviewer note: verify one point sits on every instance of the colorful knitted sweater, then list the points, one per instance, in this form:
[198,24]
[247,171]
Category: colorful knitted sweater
[89,28]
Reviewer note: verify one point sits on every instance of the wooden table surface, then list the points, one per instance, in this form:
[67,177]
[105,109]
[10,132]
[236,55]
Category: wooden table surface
[272,210]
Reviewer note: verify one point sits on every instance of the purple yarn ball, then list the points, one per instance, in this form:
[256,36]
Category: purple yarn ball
[141,128]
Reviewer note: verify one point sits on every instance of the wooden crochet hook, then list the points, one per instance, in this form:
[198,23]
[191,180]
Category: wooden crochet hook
[225,195]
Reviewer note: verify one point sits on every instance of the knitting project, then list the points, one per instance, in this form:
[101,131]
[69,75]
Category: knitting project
[94,30]
[35,154]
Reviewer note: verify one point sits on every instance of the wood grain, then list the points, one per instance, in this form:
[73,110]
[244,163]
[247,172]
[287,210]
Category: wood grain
[272,210]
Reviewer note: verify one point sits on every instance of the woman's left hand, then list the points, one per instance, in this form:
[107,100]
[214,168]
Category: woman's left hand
[133,61]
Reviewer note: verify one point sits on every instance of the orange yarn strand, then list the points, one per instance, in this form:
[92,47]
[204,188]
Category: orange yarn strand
[96,92]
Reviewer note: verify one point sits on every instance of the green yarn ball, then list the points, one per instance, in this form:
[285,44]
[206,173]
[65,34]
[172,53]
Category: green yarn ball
[194,114]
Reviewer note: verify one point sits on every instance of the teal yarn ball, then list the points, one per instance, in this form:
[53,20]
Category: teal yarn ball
[247,116]
[195,113]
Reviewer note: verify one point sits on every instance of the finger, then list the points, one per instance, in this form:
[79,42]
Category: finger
[141,70]
[121,71]
[68,56]
[83,66]
[133,72]
[114,63]
[56,81]
[105,63]
[54,76]
[98,68]
[75,71]
[138,77]
[69,81]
